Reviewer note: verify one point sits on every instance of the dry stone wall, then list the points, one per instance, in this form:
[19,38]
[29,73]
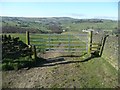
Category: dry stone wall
[110,52]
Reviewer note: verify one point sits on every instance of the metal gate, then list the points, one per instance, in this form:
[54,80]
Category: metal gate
[76,43]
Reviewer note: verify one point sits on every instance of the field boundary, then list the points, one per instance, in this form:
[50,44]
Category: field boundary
[65,43]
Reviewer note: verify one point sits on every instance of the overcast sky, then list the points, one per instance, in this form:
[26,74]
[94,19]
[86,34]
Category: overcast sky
[104,10]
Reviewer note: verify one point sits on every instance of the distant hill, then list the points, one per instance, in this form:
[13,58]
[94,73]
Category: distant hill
[54,24]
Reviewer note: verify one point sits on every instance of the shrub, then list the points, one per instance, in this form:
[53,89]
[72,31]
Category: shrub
[15,53]
[7,66]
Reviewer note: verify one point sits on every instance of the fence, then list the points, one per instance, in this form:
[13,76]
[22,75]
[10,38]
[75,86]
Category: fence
[70,43]
[59,42]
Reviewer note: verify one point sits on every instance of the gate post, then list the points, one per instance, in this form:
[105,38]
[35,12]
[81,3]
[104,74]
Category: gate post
[27,38]
[34,52]
[90,33]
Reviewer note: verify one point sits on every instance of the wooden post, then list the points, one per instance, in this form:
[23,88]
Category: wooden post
[89,41]
[34,56]
[27,38]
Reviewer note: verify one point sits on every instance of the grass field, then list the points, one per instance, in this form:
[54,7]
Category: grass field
[106,25]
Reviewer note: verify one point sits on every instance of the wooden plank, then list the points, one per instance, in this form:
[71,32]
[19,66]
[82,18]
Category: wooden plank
[34,56]
[89,41]
[57,34]
[95,43]
[27,38]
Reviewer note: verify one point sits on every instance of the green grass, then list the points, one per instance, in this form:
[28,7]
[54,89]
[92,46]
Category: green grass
[10,64]
[95,73]
[106,25]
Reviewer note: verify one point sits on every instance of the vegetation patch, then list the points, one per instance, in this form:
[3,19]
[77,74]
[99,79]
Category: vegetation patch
[15,53]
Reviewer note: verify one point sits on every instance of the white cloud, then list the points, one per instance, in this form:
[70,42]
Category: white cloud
[106,17]
[77,14]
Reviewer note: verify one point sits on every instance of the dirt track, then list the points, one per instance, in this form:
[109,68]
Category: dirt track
[63,72]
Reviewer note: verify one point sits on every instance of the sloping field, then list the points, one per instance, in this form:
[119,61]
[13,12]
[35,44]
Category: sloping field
[63,72]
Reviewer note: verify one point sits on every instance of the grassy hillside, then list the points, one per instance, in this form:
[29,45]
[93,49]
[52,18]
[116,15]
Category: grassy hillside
[55,24]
